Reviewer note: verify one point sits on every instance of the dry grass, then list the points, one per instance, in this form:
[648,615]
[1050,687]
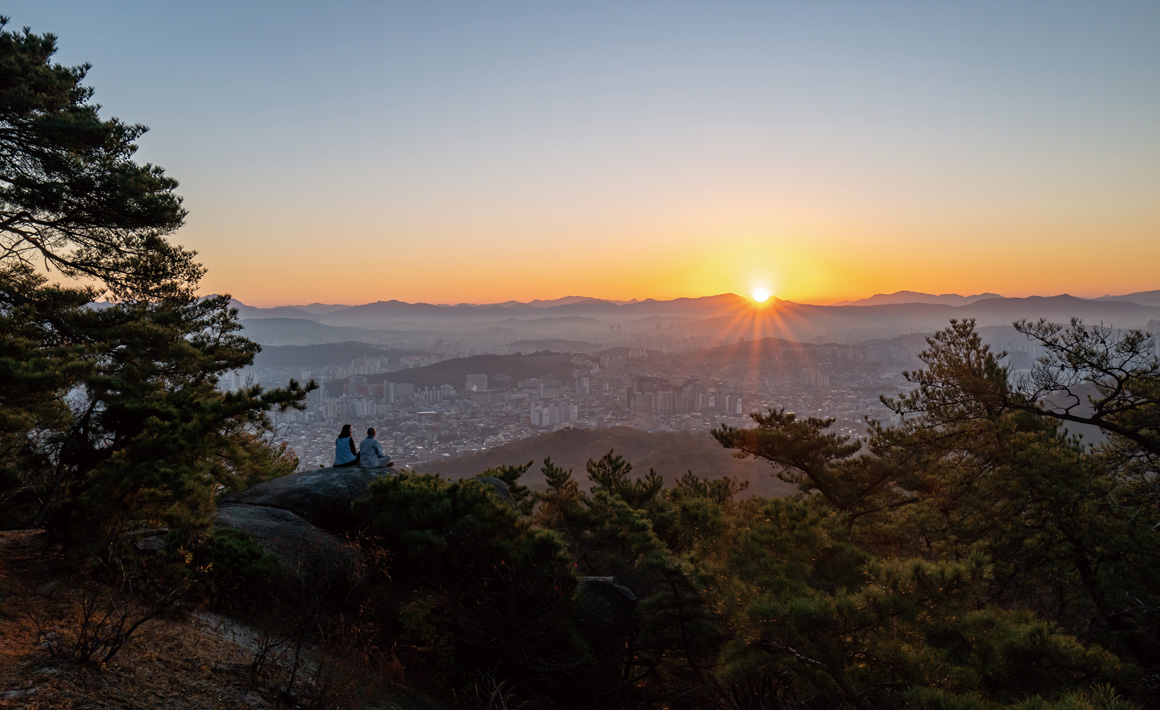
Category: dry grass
[171,663]
[191,662]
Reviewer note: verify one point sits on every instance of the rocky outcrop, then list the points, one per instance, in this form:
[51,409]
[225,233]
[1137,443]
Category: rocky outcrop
[307,552]
[501,489]
[291,516]
[294,517]
[324,497]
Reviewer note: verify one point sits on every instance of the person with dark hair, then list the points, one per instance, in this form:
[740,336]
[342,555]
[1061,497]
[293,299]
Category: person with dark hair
[371,454]
[344,452]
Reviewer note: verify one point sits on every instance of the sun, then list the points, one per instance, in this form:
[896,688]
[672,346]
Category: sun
[761,294]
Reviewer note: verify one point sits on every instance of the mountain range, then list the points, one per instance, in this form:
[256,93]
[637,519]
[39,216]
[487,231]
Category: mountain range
[727,316]
[946,299]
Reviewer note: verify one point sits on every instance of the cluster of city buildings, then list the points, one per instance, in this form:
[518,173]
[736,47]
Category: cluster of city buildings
[656,379]
[421,425]
[663,396]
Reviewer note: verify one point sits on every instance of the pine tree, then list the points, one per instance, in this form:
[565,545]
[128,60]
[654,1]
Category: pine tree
[71,197]
[111,417]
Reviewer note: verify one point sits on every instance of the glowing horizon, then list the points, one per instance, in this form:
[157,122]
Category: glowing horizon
[381,151]
[297,299]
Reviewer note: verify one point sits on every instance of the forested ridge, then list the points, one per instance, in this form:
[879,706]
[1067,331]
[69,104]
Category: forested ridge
[971,555]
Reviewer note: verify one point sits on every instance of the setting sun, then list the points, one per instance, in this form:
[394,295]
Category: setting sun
[761,295]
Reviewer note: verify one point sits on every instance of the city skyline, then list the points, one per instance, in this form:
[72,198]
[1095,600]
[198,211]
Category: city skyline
[482,154]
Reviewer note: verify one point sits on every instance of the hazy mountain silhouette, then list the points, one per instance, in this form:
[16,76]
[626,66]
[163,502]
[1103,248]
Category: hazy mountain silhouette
[383,311]
[322,308]
[945,299]
[704,307]
[586,307]
[1060,308]
[253,312]
[1144,298]
[726,316]
[808,323]
[299,331]
[566,300]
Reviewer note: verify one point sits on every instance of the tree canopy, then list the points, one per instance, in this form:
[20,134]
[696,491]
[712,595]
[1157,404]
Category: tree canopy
[110,414]
[71,196]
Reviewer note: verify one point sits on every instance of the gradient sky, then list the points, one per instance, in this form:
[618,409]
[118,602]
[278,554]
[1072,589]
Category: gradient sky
[349,152]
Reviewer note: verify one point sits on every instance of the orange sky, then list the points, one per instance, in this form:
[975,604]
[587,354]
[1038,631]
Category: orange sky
[354,152]
[813,259]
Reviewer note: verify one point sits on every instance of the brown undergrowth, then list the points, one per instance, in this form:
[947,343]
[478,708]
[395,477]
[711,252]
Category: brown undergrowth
[170,663]
[182,661]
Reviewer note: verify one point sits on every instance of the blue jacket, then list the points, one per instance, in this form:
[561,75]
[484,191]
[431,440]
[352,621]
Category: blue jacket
[343,450]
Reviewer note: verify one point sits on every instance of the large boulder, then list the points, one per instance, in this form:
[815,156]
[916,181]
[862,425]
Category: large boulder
[307,553]
[323,496]
[290,517]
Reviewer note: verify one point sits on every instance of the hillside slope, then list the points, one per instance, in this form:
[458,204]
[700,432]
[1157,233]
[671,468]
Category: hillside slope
[671,454]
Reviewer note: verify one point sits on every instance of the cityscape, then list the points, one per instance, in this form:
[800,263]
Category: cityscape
[437,396]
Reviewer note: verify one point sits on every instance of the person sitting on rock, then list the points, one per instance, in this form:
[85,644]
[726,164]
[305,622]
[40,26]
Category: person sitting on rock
[371,454]
[344,452]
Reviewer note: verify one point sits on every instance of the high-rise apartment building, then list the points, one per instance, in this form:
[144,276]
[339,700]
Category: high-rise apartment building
[476,383]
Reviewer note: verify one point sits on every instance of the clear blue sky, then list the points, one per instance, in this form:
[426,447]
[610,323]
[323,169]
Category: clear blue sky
[449,152]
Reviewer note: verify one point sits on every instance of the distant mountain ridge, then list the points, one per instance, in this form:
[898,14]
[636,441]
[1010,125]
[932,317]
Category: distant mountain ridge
[301,331]
[722,316]
[945,299]
[1144,298]
[538,303]
[690,307]
[322,308]
[385,311]
[806,323]
[247,312]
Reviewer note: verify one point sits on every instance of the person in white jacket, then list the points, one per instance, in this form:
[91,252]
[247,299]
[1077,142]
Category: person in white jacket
[371,454]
